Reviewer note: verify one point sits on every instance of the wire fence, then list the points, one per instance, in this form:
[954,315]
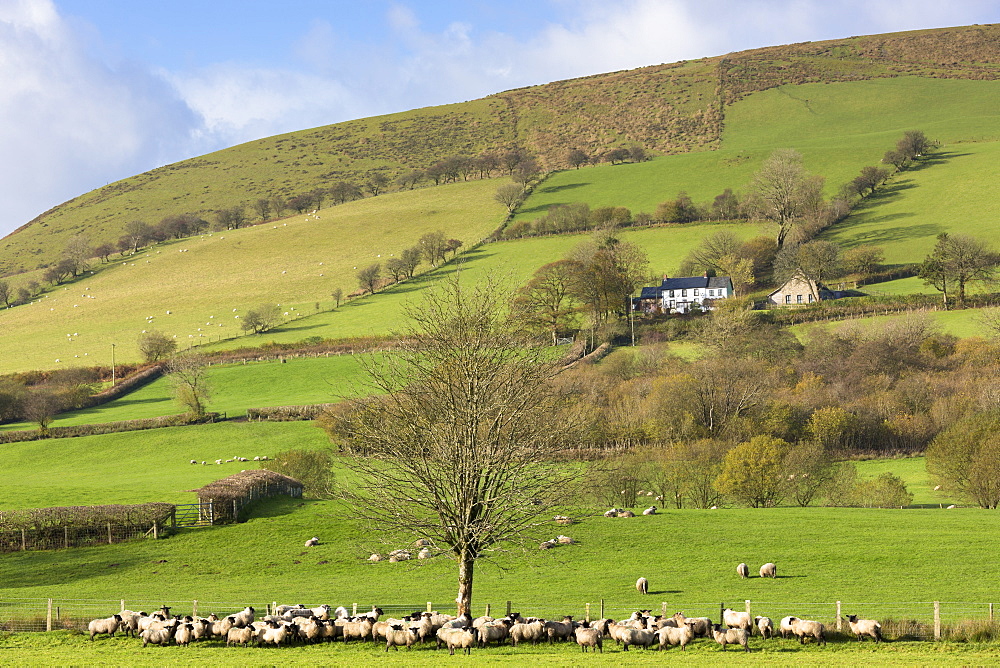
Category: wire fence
[56,538]
[910,620]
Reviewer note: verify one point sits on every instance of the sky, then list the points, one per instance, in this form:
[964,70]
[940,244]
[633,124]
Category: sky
[92,91]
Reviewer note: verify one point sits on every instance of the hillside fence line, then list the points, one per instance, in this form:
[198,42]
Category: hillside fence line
[901,620]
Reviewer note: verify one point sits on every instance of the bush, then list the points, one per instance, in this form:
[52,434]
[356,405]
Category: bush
[313,468]
[885,491]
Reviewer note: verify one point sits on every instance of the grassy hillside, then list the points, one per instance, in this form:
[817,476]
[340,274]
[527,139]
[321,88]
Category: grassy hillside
[669,109]
[205,282]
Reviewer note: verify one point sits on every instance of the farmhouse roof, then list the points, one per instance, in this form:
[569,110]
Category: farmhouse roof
[688,282]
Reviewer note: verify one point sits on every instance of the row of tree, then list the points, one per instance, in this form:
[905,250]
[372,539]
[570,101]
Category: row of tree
[432,247]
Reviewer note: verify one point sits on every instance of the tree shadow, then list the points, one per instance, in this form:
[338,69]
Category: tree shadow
[565,186]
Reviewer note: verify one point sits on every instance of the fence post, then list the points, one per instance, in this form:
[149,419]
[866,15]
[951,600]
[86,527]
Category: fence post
[24,541]
[750,616]
[430,608]
[194,608]
[123,605]
[722,613]
[66,537]
[156,533]
[991,612]
[840,622]
[602,608]
[48,616]
[587,616]
[937,620]
[109,533]
[487,610]
[354,610]
[508,608]
[663,608]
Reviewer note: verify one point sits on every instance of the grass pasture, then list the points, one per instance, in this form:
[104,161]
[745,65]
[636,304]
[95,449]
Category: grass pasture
[206,282]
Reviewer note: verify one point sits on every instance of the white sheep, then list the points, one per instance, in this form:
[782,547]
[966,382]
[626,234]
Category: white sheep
[530,629]
[649,511]
[588,637]
[702,626]
[312,542]
[642,585]
[425,553]
[375,557]
[564,540]
[737,620]
[765,626]
[672,636]
[730,637]
[769,570]
[240,636]
[397,635]
[743,571]
[865,627]
[610,513]
[107,625]
[807,627]
[456,638]
[785,626]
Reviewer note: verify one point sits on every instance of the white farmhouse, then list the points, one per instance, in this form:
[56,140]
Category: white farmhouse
[680,295]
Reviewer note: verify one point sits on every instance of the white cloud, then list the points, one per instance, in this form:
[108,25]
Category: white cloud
[69,123]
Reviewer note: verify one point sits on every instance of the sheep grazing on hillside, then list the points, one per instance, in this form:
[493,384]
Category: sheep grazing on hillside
[803,628]
[743,571]
[865,627]
[769,570]
[588,637]
[564,540]
[730,637]
[312,542]
[108,625]
[642,586]
[765,626]
[546,545]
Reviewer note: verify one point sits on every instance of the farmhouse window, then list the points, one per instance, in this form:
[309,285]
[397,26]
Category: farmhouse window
[695,293]
[788,299]
[798,299]
[684,292]
[671,293]
[810,299]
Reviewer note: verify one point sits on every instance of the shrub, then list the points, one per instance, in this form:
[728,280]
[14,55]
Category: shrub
[312,468]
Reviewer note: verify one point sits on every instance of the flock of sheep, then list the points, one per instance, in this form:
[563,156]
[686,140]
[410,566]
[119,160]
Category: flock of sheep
[261,458]
[299,624]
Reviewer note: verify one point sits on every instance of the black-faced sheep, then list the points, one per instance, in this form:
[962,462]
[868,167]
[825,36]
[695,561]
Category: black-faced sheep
[737,620]
[865,627]
[765,626]
[702,626]
[397,635]
[588,637]
[730,637]
[561,630]
[240,636]
[456,638]
[670,636]
[108,625]
[532,630]
[803,628]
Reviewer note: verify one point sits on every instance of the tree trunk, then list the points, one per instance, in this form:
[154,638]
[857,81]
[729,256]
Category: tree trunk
[466,567]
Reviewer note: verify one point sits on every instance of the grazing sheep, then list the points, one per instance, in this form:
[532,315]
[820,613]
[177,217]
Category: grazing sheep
[730,637]
[644,638]
[642,586]
[649,511]
[312,542]
[806,627]
[530,630]
[397,635]
[765,626]
[159,635]
[274,634]
[737,620]
[702,626]
[460,638]
[563,519]
[865,627]
[785,626]
[497,630]
[626,513]
[361,629]
[240,636]
[193,461]
[769,570]
[422,542]
[743,571]
[561,630]
[669,636]
[107,625]
[588,637]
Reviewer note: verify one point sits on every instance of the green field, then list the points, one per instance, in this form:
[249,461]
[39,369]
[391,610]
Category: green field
[206,282]
[962,324]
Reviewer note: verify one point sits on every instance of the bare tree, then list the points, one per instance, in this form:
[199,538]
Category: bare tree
[782,191]
[40,406]
[262,207]
[338,295]
[368,277]
[456,449]
[433,245]
[188,374]
[959,260]
[546,302]
[6,293]
[261,318]
[509,194]
[155,345]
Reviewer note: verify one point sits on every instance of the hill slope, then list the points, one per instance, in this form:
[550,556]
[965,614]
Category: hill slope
[666,108]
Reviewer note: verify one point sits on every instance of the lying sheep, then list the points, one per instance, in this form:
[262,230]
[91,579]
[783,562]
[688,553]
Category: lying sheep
[671,636]
[765,626]
[642,586]
[312,542]
[803,628]
[108,625]
[730,637]
[769,570]
[737,620]
[564,540]
[397,635]
[375,557]
[865,627]
[743,571]
[457,638]
[613,512]
[626,513]
[649,511]
[589,637]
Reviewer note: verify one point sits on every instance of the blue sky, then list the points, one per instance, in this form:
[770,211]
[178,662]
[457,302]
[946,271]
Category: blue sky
[98,90]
